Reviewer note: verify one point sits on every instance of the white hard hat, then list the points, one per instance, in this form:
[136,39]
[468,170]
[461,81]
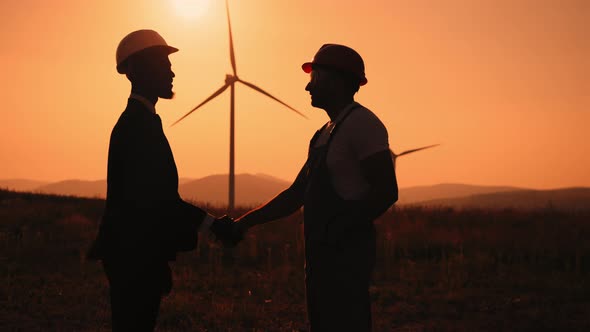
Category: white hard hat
[137,41]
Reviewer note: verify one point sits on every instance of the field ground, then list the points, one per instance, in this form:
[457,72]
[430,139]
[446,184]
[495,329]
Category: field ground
[438,270]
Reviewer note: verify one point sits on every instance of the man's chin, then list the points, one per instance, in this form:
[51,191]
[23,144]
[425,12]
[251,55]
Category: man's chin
[167,95]
[316,104]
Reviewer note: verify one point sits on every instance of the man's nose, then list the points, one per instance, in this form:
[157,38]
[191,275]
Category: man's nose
[308,87]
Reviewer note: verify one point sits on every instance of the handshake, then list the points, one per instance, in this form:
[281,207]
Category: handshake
[227,231]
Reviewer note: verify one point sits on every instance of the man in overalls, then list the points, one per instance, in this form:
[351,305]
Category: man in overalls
[347,182]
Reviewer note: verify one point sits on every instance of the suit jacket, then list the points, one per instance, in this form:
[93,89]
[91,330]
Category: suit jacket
[144,216]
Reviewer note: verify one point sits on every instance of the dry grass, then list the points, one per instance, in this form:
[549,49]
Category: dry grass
[438,270]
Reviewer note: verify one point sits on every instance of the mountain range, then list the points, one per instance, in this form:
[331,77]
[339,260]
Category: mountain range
[570,199]
[253,189]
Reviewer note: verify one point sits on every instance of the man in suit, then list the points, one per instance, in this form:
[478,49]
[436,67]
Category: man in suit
[145,222]
[347,181]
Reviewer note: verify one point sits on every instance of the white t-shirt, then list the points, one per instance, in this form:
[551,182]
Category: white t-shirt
[359,135]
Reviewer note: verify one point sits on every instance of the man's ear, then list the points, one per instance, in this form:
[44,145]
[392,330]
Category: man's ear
[130,70]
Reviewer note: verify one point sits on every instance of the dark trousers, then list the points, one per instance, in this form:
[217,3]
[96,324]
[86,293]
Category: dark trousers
[136,291]
[337,286]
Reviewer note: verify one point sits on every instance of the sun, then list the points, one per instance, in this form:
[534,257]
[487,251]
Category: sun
[191,8]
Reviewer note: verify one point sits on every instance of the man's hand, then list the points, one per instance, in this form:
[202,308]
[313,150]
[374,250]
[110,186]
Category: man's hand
[243,223]
[225,231]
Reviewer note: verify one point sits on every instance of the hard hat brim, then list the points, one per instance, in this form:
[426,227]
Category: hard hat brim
[308,66]
[169,50]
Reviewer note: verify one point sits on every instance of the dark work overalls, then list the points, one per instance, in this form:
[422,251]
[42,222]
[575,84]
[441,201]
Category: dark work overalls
[339,251]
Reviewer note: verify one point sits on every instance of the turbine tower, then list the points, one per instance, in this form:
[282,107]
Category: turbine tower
[230,80]
[394,156]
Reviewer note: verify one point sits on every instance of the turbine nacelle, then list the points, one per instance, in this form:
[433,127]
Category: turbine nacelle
[230,79]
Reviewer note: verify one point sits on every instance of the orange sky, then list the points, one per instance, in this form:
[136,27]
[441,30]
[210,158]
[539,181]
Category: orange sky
[503,85]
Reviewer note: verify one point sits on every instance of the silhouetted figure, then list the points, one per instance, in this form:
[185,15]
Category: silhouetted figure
[347,181]
[145,222]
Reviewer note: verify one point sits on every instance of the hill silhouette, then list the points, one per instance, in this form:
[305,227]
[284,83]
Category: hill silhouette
[253,189]
[21,184]
[571,199]
[416,194]
[80,188]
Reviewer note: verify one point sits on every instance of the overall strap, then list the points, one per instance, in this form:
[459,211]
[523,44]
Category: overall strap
[332,131]
[337,125]
[317,135]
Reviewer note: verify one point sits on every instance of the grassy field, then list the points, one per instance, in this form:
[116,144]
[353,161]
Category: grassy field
[438,270]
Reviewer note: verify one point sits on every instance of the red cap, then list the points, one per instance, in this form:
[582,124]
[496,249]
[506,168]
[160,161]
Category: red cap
[339,57]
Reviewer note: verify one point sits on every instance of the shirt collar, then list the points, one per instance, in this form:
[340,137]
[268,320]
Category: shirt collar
[148,104]
[345,111]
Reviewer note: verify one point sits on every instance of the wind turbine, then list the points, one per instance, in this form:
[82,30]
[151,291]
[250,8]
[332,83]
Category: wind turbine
[394,156]
[230,80]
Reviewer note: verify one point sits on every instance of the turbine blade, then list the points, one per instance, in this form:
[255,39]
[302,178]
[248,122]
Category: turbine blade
[215,94]
[232,57]
[393,158]
[270,96]
[418,149]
